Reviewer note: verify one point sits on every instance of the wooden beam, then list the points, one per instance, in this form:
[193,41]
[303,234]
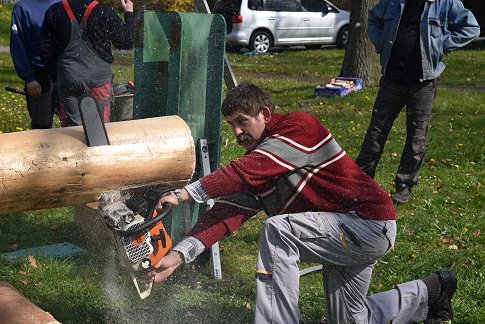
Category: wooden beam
[46,168]
[16,309]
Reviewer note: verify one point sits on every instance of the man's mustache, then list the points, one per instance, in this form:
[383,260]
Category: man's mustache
[242,138]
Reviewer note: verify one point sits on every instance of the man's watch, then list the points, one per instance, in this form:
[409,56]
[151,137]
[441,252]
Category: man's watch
[178,193]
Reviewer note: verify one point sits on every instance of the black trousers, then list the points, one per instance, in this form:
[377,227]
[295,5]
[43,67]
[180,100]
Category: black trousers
[391,98]
[42,110]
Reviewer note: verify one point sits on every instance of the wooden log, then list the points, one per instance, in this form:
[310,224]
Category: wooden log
[46,168]
[16,309]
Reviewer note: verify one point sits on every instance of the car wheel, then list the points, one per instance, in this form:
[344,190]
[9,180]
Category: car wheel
[343,37]
[261,41]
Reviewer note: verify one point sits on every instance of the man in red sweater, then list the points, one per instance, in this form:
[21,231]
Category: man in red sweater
[322,209]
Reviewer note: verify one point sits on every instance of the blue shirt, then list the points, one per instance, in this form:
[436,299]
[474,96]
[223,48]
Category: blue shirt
[27,19]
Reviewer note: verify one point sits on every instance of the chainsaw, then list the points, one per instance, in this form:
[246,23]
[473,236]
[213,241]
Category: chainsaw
[140,236]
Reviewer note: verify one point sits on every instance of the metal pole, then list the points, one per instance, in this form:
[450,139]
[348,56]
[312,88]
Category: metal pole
[229,77]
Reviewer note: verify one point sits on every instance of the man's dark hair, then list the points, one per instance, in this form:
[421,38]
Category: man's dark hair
[247,99]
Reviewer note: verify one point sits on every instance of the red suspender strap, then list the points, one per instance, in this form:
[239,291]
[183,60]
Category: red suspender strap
[68,9]
[89,9]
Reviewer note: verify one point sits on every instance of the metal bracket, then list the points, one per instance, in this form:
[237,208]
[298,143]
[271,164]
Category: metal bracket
[309,270]
[205,164]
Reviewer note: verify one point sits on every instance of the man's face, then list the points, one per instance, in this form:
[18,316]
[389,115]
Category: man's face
[247,129]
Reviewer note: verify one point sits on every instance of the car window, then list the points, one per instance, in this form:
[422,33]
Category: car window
[227,6]
[281,5]
[255,4]
[314,5]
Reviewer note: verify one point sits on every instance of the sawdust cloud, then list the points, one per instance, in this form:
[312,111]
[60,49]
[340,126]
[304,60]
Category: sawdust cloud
[125,306]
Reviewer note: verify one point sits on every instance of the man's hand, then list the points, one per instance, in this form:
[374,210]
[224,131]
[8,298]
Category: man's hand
[172,199]
[127,5]
[164,268]
[34,89]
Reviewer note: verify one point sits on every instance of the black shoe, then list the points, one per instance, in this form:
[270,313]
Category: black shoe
[402,194]
[439,310]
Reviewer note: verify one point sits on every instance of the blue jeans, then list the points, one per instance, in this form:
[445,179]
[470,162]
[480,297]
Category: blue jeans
[391,98]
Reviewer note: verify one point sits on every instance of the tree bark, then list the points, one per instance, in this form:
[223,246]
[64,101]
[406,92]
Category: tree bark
[360,58]
[342,4]
[46,168]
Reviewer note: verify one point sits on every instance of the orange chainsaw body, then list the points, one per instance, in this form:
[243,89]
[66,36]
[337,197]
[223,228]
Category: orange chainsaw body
[161,244]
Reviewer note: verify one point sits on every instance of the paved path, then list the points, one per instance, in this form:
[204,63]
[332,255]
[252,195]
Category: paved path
[6,49]
[302,78]
[317,80]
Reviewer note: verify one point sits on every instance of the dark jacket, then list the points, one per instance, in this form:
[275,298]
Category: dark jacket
[104,28]
[27,18]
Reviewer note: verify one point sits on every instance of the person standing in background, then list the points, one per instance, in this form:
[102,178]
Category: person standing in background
[27,19]
[76,41]
[411,37]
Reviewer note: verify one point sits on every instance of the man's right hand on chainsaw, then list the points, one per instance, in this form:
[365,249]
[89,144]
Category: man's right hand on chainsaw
[164,268]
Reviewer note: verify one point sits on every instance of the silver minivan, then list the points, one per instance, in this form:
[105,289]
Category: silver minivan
[263,24]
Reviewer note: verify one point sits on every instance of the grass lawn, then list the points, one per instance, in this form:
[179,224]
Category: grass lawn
[440,228]
[5,16]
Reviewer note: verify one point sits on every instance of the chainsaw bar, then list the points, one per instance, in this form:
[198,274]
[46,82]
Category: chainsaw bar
[92,122]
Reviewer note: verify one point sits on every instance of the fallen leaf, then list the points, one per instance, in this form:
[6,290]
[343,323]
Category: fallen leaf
[468,263]
[24,281]
[13,246]
[32,261]
[446,240]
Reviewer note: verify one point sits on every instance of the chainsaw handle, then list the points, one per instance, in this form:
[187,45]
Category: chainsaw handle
[167,209]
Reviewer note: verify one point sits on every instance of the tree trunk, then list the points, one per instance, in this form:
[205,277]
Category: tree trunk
[342,4]
[360,58]
[46,168]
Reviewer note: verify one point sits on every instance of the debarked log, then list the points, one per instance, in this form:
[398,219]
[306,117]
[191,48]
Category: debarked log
[16,309]
[47,168]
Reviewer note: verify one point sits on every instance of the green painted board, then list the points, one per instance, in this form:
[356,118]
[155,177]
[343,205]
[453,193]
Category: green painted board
[179,70]
[59,250]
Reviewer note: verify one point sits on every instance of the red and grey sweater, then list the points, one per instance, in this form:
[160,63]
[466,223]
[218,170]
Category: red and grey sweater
[298,167]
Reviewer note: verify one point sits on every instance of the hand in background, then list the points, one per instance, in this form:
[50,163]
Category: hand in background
[127,5]
[34,89]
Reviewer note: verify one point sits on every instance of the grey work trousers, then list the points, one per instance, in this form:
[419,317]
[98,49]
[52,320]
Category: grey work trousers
[347,246]
[391,98]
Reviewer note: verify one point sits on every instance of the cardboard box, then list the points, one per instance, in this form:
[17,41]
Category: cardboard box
[340,87]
